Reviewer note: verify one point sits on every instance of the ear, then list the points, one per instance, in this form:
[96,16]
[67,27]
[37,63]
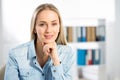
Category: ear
[35,31]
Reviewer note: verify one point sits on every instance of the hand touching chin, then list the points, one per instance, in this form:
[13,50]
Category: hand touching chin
[50,49]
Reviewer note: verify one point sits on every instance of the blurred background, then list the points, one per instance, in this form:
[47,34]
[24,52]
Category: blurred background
[15,17]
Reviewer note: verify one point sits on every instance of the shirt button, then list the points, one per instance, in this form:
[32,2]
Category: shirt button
[35,62]
[54,70]
[42,74]
[28,73]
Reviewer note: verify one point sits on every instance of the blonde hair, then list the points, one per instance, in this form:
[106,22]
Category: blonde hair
[61,37]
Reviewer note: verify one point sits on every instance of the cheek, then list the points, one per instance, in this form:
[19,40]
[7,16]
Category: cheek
[56,31]
[39,33]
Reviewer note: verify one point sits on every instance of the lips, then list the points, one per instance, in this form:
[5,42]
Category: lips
[48,36]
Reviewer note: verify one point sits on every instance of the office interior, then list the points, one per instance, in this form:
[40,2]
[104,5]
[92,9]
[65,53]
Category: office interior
[15,19]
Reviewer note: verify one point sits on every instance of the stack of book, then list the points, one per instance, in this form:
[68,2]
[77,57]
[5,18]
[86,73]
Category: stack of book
[88,57]
[85,33]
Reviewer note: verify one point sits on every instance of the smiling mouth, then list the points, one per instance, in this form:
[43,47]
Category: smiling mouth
[48,36]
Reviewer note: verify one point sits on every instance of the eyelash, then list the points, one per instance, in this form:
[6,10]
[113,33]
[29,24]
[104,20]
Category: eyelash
[54,24]
[43,24]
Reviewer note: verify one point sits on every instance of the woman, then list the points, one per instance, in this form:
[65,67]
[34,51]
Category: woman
[46,56]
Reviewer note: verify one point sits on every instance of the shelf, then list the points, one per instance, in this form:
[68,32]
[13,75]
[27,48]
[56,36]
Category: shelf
[93,66]
[93,72]
[83,79]
[88,42]
[85,45]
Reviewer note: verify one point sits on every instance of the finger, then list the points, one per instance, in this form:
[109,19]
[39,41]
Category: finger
[45,49]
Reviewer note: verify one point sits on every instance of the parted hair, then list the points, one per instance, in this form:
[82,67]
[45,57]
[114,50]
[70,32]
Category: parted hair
[47,6]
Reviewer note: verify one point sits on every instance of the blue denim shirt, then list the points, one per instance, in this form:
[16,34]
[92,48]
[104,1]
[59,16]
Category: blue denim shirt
[23,65]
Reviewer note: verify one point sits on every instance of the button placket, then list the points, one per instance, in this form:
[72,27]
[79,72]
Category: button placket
[54,70]
[28,73]
[43,74]
[35,63]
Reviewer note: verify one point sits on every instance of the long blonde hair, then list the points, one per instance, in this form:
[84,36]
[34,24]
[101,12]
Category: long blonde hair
[61,37]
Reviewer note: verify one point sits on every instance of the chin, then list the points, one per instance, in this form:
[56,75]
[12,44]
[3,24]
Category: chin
[50,41]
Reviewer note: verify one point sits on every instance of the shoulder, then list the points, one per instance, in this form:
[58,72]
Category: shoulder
[66,53]
[20,49]
[64,47]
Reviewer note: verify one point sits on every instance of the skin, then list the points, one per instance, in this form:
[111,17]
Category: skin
[47,29]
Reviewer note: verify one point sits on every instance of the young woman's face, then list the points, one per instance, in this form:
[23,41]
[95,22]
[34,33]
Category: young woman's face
[47,26]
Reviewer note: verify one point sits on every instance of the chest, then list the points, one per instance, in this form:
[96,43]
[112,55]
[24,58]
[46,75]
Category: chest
[32,71]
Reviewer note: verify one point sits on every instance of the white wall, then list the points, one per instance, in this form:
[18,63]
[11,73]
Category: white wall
[1,55]
[118,38]
[113,45]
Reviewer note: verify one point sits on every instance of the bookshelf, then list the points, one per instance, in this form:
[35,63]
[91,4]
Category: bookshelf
[87,38]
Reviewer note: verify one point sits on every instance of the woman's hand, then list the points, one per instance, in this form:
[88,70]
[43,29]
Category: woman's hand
[51,50]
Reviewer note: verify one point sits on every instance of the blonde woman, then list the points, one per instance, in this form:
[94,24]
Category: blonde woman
[46,56]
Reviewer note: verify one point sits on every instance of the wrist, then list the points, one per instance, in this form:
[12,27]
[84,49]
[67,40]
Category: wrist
[56,62]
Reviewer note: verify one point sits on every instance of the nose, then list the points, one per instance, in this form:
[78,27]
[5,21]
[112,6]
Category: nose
[48,29]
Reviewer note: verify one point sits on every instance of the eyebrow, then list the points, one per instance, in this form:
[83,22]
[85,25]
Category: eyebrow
[45,21]
[42,21]
[54,20]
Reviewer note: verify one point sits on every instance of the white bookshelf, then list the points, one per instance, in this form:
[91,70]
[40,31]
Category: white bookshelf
[89,70]
[84,45]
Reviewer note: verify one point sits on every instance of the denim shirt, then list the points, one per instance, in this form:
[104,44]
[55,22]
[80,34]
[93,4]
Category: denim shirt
[23,65]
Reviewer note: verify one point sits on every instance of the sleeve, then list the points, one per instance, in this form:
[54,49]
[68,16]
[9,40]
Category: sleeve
[64,72]
[11,70]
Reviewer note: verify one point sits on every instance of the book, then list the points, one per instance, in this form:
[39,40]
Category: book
[75,34]
[91,33]
[100,30]
[78,33]
[81,57]
[70,34]
[96,56]
[83,34]
[89,57]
